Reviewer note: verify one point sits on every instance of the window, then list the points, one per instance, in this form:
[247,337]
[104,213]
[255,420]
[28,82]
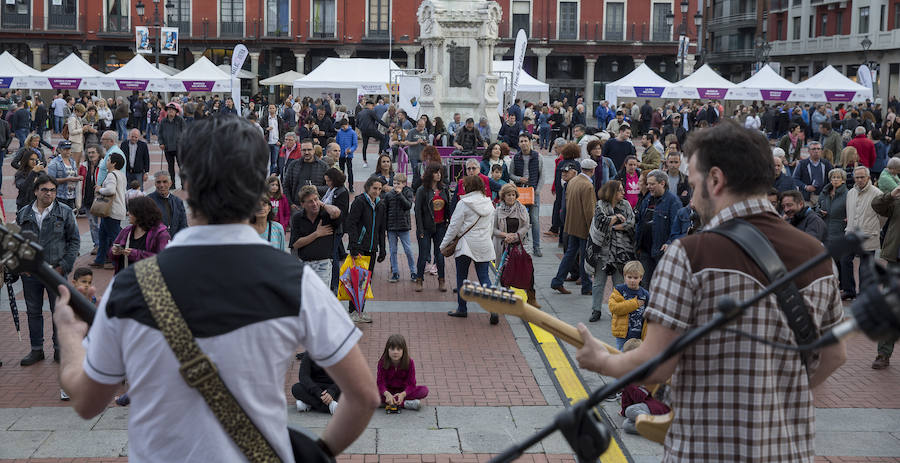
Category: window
[863,20]
[615,17]
[824,29]
[117,16]
[883,26]
[180,16]
[521,17]
[796,24]
[812,26]
[278,13]
[62,15]
[378,18]
[17,14]
[232,19]
[568,20]
[896,15]
[661,31]
[778,29]
[839,23]
[323,19]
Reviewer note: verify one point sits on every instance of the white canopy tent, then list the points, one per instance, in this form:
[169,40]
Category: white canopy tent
[360,76]
[202,76]
[702,84]
[830,85]
[72,73]
[138,74]
[16,74]
[642,82]
[765,85]
[168,69]
[530,88]
[242,73]
[285,78]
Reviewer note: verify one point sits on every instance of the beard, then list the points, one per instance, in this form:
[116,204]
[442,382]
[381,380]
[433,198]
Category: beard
[704,206]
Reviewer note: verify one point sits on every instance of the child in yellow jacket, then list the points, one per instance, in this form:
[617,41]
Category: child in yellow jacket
[627,303]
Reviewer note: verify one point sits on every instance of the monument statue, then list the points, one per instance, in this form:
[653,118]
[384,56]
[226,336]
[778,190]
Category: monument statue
[459,38]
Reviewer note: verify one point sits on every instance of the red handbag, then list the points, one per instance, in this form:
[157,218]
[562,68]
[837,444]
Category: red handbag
[518,270]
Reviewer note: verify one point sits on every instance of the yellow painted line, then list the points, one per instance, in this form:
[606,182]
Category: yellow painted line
[571,385]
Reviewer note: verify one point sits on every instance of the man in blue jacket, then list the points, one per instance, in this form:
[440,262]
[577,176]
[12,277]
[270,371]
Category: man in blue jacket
[603,114]
[653,222]
[811,174]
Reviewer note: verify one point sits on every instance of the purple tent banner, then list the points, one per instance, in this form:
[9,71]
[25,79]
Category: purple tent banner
[775,95]
[648,92]
[64,84]
[139,85]
[839,96]
[199,85]
[712,93]
[5,82]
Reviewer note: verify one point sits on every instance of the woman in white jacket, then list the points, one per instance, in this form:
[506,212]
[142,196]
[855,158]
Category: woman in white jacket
[114,186]
[472,222]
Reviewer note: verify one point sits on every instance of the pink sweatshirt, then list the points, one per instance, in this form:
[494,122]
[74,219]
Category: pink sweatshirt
[395,380]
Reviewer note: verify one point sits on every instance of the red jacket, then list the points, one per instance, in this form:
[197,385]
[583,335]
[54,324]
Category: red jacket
[289,154]
[487,186]
[865,149]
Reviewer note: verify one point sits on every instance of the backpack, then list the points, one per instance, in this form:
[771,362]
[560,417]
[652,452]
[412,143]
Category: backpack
[65,131]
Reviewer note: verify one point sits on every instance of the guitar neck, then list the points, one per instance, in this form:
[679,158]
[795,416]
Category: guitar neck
[558,328]
[52,279]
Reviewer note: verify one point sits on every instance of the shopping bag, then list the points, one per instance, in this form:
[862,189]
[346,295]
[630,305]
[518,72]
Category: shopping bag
[526,195]
[518,270]
[354,273]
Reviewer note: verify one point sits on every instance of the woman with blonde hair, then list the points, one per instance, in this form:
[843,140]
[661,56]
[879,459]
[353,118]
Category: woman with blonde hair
[849,161]
[105,114]
[512,226]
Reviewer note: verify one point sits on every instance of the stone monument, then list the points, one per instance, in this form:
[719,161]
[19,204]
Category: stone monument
[459,38]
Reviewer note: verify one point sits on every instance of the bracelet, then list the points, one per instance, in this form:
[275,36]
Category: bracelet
[324,447]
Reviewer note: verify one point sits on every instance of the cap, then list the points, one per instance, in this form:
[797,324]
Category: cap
[588,164]
[567,168]
[172,106]
[64,144]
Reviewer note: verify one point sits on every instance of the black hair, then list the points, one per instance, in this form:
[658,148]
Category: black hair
[82,272]
[428,176]
[118,160]
[747,164]
[145,211]
[793,126]
[497,167]
[371,181]
[337,177]
[42,179]
[224,162]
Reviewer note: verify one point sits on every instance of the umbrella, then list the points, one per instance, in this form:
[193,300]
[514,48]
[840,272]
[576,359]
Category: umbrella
[9,279]
[356,281]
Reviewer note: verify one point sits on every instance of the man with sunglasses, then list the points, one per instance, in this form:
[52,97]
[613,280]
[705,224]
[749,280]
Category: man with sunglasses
[171,206]
[54,223]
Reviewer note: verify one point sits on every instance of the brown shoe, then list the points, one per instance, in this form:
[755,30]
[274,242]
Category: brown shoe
[418,285]
[881,362]
[442,285]
[561,289]
[532,299]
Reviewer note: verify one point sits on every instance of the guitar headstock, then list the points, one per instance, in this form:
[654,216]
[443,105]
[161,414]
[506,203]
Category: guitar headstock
[19,252]
[497,300]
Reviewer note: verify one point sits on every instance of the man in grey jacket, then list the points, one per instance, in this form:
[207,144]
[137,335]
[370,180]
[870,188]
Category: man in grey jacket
[54,225]
[169,133]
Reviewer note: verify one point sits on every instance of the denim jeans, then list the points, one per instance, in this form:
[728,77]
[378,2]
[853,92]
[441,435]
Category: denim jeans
[58,123]
[404,240]
[109,230]
[425,243]
[94,223]
[21,135]
[122,129]
[574,250]
[599,284]
[544,140]
[322,268]
[462,273]
[273,158]
[534,215]
[33,290]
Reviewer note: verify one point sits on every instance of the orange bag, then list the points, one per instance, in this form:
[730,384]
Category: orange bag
[526,195]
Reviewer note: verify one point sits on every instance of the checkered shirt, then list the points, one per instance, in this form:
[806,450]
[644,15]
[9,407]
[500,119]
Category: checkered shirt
[737,400]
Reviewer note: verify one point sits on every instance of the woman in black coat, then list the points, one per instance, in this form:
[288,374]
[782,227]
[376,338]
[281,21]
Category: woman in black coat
[338,196]
[433,212]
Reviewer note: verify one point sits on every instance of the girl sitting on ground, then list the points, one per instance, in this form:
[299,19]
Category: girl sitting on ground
[397,376]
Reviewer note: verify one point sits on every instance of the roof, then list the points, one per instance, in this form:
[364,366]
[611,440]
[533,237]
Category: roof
[348,73]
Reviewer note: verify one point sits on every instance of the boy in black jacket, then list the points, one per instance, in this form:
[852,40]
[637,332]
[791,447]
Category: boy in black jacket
[398,203]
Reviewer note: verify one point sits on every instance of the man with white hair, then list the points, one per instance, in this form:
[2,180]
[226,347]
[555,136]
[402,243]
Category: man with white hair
[582,139]
[864,147]
[862,218]
[110,145]
[783,182]
[580,203]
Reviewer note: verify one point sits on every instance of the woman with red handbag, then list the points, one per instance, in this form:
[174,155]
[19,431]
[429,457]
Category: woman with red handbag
[511,230]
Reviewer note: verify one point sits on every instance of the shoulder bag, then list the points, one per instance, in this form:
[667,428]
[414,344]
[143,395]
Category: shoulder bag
[450,248]
[102,206]
[200,373]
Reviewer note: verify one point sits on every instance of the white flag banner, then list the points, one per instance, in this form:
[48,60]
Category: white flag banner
[864,76]
[238,56]
[168,40]
[518,61]
[142,40]
[408,96]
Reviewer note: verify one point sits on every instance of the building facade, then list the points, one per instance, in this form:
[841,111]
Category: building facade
[807,35]
[577,46]
[731,29]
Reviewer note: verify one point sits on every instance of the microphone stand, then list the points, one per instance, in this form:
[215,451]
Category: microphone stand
[588,436]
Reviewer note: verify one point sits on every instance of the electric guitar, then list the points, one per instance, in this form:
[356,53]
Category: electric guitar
[20,253]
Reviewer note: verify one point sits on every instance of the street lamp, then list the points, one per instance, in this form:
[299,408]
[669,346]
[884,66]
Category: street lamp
[683,31]
[872,65]
[156,22]
[763,47]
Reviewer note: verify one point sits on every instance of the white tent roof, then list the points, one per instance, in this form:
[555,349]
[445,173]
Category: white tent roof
[139,74]
[642,82]
[765,84]
[16,74]
[242,73]
[285,78]
[168,69]
[70,74]
[527,83]
[830,85]
[365,75]
[203,76]
[704,83]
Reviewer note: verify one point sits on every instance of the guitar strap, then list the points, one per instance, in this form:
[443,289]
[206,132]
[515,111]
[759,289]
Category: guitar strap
[198,371]
[790,301]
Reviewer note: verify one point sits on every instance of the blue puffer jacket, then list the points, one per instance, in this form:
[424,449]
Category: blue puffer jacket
[666,210]
[347,140]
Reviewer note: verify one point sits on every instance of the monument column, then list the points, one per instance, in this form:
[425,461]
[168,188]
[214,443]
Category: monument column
[254,68]
[344,52]
[85,55]
[301,62]
[36,58]
[499,52]
[589,63]
[542,62]
[197,54]
[411,52]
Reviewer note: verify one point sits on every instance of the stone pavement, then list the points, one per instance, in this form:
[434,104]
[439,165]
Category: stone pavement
[490,385]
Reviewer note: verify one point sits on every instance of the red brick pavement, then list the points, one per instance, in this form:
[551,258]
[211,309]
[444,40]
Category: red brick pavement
[856,384]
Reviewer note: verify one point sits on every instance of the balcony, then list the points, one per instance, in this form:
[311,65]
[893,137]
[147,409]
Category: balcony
[66,22]
[231,29]
[184,27]
[731,56]
[732,21]
[116,25]
[778,5]
[886,40]
[16,21]
[376,36]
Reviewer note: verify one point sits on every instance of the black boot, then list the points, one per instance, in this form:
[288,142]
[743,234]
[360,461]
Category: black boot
[595,316]
[33,357]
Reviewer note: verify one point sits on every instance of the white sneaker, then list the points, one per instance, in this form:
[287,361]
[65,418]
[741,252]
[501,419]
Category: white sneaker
[332,406]
[355,318]
[365,317]
[365,164]
[63,395]
[412,404]
[302,407]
